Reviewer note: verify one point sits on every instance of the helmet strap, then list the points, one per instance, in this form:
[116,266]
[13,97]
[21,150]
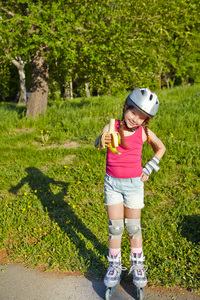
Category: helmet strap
[127,128]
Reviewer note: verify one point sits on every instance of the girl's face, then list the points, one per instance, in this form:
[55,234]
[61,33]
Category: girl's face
[132,119]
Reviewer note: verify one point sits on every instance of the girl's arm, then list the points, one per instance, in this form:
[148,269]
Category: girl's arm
[159,150]
[107,138]
[156,144]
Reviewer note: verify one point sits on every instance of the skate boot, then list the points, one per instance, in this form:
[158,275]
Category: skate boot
[138,269]
[113,275]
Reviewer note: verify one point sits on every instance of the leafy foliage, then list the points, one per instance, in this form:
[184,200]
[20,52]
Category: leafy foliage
[110,45]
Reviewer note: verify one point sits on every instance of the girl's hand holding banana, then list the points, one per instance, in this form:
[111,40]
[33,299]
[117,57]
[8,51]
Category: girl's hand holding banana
[108,139]
[111,138]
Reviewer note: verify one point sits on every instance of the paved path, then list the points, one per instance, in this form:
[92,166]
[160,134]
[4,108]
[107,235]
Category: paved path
[20,283]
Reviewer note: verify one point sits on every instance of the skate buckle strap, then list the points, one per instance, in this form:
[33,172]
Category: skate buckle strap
[137,260]
[144,268]
[115,265]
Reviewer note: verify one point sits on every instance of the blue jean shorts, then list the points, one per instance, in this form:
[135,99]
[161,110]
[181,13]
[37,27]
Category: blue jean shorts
[130,191]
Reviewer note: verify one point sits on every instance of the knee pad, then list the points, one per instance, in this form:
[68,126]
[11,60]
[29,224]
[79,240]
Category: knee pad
[116,228]
[133,228]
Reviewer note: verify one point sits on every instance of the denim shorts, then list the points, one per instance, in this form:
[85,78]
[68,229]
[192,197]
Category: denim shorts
[130,191]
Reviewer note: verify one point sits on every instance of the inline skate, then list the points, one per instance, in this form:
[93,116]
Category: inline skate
[138,270]
[113,275]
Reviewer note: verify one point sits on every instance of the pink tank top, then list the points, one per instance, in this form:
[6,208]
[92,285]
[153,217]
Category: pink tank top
[128,163]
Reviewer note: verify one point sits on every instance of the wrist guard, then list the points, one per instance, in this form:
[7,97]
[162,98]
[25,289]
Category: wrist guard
[96,144]
[151,165]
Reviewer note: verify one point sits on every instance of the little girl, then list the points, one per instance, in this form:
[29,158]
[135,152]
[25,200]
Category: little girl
[124,182]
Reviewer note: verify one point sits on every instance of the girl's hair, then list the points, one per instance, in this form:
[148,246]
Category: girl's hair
[153,145]
[121,131]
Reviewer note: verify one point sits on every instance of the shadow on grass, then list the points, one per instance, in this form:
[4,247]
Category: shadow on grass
[189,228]
[62,213]
[64,103]
[20,109]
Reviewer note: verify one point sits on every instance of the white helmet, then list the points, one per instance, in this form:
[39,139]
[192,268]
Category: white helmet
[144,101]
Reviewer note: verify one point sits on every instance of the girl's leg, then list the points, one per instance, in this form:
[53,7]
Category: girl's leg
[115,212]
[116,226]
[135,243]
[137,267]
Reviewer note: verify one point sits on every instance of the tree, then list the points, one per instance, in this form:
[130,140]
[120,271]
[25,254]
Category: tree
[37,30]
[20,64]
[37,102]
[103,45]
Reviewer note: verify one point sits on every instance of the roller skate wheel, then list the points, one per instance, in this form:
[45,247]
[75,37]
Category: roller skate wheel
[107,294]
[140,293]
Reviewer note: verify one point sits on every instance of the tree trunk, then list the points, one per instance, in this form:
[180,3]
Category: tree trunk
[22,77]
[87,90]
[167,80]
[160,80]
[171,81]
[68,93]
[37,102]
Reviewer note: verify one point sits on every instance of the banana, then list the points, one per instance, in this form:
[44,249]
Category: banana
[115,137]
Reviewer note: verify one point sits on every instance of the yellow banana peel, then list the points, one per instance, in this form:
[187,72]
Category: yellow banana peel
[115,137]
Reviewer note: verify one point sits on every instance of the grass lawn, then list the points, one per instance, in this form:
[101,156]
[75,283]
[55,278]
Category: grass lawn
[52,210]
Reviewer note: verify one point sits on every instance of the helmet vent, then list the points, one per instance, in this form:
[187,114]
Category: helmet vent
[151,97]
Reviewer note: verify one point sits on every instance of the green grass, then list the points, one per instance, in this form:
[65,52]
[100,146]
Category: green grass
[52,209]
